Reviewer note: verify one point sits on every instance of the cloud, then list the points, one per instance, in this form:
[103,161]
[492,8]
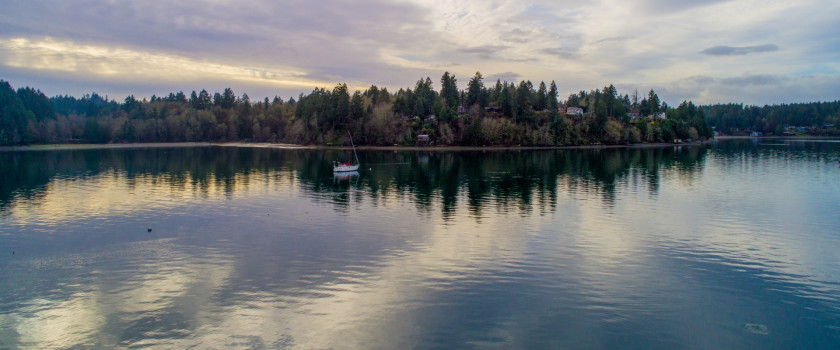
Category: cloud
[86,60]
[755,89]
[506,76]
[581,45]
[560,52]
[758,79]
[738,50]
[614,38]
[517,35]
[669,6]
[520,32]
[297,33]
[702,79]
[485,51]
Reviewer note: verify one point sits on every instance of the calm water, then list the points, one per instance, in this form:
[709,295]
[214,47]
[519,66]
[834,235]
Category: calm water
[733,245]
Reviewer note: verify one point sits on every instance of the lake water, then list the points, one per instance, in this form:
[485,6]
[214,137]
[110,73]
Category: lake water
[733,245]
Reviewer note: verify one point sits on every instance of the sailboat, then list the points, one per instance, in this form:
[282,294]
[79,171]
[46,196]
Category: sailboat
[339,167]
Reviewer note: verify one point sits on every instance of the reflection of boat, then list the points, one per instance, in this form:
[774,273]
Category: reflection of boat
[346,167]
[344,175]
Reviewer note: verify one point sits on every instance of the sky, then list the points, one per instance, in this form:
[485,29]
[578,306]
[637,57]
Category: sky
[706,51]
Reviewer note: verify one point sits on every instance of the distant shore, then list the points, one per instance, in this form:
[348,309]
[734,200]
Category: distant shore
[778,137]
[83,146]
[323,147]
[379,148]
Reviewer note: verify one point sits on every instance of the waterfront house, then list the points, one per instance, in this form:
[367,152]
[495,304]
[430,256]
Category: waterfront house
[574,111]
[423,140]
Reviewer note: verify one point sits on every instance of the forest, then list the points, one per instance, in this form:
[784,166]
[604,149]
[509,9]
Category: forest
[816,118]
[503,113]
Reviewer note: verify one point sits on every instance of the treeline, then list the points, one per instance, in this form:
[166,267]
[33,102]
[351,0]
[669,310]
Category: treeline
[502,114]
[819,118]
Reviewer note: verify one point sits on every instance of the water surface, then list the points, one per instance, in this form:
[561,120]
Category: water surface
[726,246]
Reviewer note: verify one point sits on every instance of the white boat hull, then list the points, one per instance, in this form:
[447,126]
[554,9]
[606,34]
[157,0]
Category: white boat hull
[345,168]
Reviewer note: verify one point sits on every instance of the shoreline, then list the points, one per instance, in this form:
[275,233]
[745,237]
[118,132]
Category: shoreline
[89,146]
[85,146]
[806,137]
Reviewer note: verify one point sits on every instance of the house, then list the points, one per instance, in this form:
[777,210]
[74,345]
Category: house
[633,115]
[574,111]
[661,115]
[493,108]
[756,134]
[423,140]
[462,110]
[561,109]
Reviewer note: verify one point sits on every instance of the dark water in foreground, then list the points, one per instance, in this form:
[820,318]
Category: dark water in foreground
[728,246]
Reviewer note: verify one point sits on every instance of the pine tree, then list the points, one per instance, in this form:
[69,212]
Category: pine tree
[541,100]
[653,103]
[551,98]
[449,90]
[474,91]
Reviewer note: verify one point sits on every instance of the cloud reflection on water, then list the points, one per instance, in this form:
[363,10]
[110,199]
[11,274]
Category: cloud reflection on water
[276,254]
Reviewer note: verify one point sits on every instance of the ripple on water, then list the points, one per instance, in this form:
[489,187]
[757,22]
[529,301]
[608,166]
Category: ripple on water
[757,328]
[575,249]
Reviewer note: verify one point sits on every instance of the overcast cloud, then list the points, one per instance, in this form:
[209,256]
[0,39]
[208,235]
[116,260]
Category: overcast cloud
[745,51]
[735,51]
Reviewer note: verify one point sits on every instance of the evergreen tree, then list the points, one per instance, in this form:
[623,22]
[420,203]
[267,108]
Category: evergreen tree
[506,103]
[541,101]
[13,116]
[130,103]
[573,100]
[475,90]
[373,94]
[653,103]
[341,103]
[227,99]
[204,100]
[551,97]
[36,102]
[194,100]
[495,93]
[357,106]
[523,98]
[449,90]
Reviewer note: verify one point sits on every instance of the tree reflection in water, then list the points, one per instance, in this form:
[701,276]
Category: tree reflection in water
[509,180]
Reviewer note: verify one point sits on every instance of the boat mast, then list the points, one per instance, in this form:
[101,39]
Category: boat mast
[354,147]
